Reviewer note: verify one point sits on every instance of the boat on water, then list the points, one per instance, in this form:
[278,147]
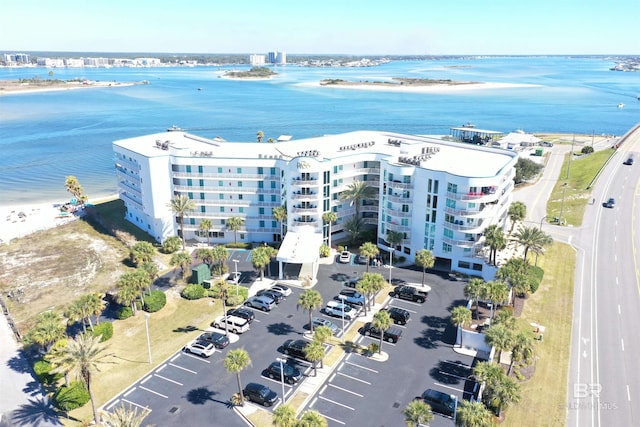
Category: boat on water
[621,105]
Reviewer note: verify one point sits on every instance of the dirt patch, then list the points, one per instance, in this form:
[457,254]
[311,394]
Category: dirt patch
[49,269]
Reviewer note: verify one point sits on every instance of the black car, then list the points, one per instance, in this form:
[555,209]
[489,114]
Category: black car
[393,334]
[275,295]
[439,401]
[219,340]
[242,312]
[398,315]
[610,203]
[295,348]
[351,283]
[261,394]
[291,375]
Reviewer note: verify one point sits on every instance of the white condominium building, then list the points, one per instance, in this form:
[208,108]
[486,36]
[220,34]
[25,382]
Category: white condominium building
[439,195]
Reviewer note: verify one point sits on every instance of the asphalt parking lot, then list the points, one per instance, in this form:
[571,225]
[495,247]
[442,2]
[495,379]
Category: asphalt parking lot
[189,390]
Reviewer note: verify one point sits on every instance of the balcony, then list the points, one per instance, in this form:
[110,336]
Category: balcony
[399,185]
[463,226]
[308,209]
[399,198]
[357,171]
[299,196]
[236,176]
[475,197]
[397,227]
[304,182]
[465,243]
[130,200]
[397,213]
[127,186]
[228,189]
[126,173]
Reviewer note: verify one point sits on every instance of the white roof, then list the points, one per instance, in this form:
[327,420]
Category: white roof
[518,137]
[300,247]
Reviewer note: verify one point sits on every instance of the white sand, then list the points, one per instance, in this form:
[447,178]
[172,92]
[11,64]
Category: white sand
[436,88]
[35,217]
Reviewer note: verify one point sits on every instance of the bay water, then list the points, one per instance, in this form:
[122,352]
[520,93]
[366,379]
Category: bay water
[47,136]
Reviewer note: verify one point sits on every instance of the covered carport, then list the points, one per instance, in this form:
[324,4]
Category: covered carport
[300,248]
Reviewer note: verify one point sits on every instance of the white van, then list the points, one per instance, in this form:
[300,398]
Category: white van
[235,324]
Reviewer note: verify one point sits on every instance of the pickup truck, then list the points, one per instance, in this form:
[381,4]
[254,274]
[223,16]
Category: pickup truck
[392,334]
[409,293]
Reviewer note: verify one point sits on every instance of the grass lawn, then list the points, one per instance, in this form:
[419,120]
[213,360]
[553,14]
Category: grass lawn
[169,329]
[577,192]
[545,394]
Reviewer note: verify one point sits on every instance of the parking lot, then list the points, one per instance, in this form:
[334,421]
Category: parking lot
[187,389]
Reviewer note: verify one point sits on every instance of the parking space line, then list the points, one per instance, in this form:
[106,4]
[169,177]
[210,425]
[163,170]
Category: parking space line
[184,369]
[407,302]
[333,419]
[146,408]
[129,392]
[145,380]
[378,339]
[161,368]
[168,379]
[115,402]
[345,390]
[323,389]
[362,367]
[286,384]
[449,387]
[454,376]
[336,403]
[198,358]
[154,392]
[175,357]
[354,378]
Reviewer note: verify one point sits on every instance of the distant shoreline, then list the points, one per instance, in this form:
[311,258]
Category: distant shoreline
[421,85]
[15,87]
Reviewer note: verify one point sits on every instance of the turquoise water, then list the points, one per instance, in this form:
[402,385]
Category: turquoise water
[47,136]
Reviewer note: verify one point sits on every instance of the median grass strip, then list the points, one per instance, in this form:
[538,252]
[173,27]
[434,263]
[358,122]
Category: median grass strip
[544,396]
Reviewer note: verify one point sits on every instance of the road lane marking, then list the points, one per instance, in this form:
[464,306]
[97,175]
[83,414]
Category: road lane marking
[619,310]
[345,390]
[154,392]
[354,378]
[362,367]
[184,369]
[168,379]
[628,393]
[336,403]
[622,344]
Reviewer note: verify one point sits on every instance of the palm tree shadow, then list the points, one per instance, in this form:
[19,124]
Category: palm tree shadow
[201,395]
[20,364]
[38,412]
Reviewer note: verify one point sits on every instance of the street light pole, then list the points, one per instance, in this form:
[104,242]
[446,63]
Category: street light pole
[390,262]
[235,276]
[279,359]
[564,189]
[146,324]
[342,307]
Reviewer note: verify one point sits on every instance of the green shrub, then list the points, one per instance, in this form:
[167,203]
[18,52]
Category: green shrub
[154,301]
[238,245]
[194,291]
[325,251]
[340,248]
[234,300]
[72,397]
[587,149]
[105,329]
[533,285]
[171,244]
[42,369]
[124,312]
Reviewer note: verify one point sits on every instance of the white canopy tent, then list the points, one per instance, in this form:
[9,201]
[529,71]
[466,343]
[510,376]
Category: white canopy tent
[300,248]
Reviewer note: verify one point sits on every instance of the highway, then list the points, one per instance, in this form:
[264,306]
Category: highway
[604,376]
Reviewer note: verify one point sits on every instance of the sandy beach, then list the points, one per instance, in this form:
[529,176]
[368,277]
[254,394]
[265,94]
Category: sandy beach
[434,88]
[24,219]
[16,88]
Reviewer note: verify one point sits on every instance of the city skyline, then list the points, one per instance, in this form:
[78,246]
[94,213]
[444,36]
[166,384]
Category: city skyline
[373,27]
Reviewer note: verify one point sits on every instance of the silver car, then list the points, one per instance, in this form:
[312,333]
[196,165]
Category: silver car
[338,309]
[263,302]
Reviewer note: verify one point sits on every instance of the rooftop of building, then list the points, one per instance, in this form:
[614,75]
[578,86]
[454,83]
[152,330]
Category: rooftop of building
[407,150]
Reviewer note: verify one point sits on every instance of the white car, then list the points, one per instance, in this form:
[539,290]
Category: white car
[336,309]
[201,348]
[284,290]
[345,257]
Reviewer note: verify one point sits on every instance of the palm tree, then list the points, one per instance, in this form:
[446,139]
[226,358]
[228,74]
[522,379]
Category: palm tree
[81,359]
[47,330]
[312,418]
[235,362]
[314,353]
[322,334]
[151,268]
[474,290]
[234,223]
[488,373]
[127,295]
[260,258]
[516,272]
[533,239]
[497,292]
[425,259]
[494,238]
[356,193]
[354,228]
[505,392]
[280,215]
[417,413]
[473,414]
[205,226]
[259,135]
[122,416]
[182,206]
[522,350]
[75,312]
[310,300]
[219,256]
[95,306]
[142,252]
[517,212]
[365,287]
[460,316]
[73,186]
[394,238]
[224,293]
[329,217]
[284,416]
[182,260]
[382,322]
[500,337]
[370,250]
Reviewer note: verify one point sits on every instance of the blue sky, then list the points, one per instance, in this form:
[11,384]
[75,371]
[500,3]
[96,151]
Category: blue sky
[360,27]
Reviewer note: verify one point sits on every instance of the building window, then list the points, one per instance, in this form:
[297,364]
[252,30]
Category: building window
[241,209]
[273,171]
[220,184]
[273,198]
[202,183]
[219,170]
[261,197]
[435,185]
[203,209]
[477,267]
[406,180]
[260,184]
[274,224]
[239,183]
[404,222]
[188,169]
[240,196]
[452,188]
[260,171]
[200,169]
[446,248]
[261,224]
[239,170]
[448,233]
[464,264]
[221,208]
[405,208]
[261,211]
[273,184]
[241,236]
[221,196]
[201,196]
